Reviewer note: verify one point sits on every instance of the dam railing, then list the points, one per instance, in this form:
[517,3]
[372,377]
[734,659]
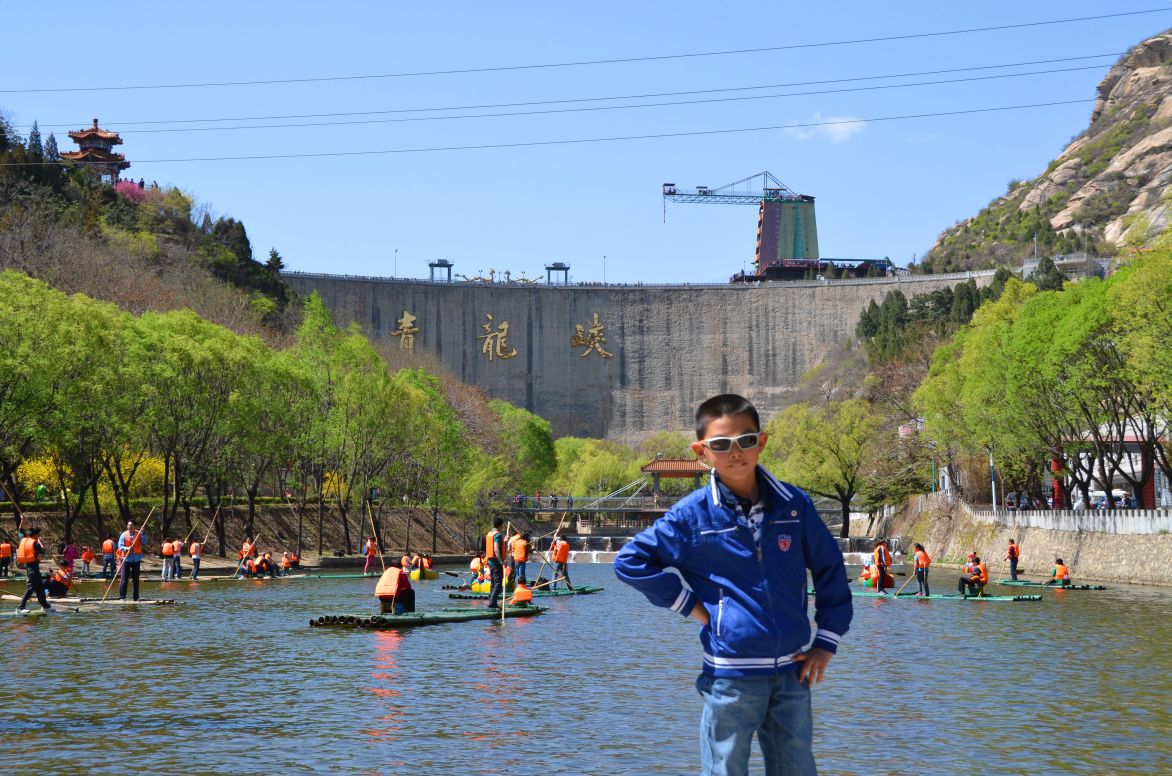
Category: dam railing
[1107,521]
[888,280]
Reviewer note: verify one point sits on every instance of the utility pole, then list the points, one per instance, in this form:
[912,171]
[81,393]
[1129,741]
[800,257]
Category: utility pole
[396,262]
[604,269]
[993,478]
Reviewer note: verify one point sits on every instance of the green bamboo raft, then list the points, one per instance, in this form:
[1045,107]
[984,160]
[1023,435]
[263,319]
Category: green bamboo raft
[73,601]
[416,619]
[942,597]
[583,590]
[1028,583]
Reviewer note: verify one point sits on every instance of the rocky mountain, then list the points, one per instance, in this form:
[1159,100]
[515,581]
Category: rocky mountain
[1109,189]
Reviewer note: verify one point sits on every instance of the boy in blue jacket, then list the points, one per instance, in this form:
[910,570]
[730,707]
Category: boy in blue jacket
[742,545]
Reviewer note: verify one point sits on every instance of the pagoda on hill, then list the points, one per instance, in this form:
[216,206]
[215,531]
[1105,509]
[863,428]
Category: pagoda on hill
[96,151]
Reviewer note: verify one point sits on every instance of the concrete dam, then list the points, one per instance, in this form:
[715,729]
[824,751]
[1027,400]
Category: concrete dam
[620,362]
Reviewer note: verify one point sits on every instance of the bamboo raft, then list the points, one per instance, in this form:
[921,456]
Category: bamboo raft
[416,619]
[1028,583]
[940,596]
[582,590]
[74,600]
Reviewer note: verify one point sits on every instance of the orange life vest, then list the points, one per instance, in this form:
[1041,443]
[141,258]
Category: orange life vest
[490,550]
[6,550]
[922,560]
[561,551]
[1061,572]
[522,594]
[982,572]
[196,549]
[476,564]
[246,550]
[520,550]
[1013,551]
[428,562]
[371,548]
[136,546]
[882,555]
[168,549]
[27,551]
[87,555]
[390,583]
[108,547]
[63,578]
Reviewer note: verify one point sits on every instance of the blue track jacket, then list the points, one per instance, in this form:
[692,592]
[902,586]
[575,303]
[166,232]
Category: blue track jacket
[756,598]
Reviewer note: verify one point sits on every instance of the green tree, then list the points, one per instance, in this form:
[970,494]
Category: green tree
[275,264]
[527,442]
[1047,277]
[825,450]
[35,149]
[52,154]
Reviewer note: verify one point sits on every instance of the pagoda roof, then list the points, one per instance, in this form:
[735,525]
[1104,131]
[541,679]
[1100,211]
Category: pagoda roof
[98,132]
[674,467]
[96,155]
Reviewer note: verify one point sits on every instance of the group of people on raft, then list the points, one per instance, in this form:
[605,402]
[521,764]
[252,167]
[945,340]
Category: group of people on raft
[972,582]
[254,563]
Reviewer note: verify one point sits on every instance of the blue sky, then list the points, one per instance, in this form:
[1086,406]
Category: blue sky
[883,188]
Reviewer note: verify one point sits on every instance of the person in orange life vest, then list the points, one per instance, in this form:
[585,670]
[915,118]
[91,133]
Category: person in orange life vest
[168,551]
[1060,574]
[28,553]
[87,557]
[59,583]
[264,565]
[428,563]
[1012,554]
[196,551]
[416,560]
[522,596]
[921,562]
[405,560]
[521,557]
[109,564]
[286,562]
[131,544]
[559,551]
[177,558]
[246,553]
[494,555]
[394,592]
[371,552]
[974,582]
[867,575]
[882,558]
[970,564]
[294,560]
[6,550]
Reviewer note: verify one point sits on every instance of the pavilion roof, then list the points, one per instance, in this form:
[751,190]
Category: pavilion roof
[96,155]
[96,131]
[674,467]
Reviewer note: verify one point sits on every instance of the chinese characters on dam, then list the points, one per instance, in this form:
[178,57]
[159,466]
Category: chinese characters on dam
[495,339]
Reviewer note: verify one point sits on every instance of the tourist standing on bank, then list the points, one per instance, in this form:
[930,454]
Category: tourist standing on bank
[1012,554]
[108,565]
[130,544]
[168,552]
[6,550]
[196,554]
[494,555]
[29,553]
[759,659]
[921,562]
[177,559]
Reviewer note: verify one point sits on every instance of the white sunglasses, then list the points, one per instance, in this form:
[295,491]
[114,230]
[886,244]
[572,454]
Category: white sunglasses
[724,444]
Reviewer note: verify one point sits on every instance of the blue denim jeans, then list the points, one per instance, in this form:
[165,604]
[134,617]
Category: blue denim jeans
[776,707]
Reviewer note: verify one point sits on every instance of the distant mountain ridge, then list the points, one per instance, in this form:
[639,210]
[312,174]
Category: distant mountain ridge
[1109,189]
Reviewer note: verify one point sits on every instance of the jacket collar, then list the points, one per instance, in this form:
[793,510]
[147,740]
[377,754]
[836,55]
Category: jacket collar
[765,481]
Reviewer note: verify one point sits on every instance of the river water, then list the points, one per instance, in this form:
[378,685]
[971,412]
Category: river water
[233,680]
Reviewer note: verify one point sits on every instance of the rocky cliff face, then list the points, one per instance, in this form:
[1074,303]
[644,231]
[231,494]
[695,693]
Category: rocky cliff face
[1110,188]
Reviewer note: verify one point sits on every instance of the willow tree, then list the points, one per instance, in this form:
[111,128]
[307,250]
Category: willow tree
[825,449]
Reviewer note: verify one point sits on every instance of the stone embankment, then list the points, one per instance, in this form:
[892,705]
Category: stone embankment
[949,530]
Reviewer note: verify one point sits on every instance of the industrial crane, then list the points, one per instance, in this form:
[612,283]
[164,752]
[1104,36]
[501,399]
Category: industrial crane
[787,232]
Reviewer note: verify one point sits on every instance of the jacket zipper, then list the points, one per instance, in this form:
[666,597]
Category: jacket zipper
[720,612]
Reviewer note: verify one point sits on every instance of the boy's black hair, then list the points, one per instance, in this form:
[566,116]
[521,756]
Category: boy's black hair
[722,406]
[497,522]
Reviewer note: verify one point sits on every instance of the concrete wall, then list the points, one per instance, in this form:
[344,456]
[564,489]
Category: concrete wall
[949,531]
[672,346]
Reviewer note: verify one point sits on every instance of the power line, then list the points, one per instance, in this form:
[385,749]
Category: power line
[590,62]
[577,141]
[594,108]
[650,95]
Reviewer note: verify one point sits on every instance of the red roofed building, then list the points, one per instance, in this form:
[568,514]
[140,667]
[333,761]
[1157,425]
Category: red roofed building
[96,151]
[674,467]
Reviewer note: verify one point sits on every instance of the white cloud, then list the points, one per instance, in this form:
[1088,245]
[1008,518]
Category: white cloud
[836,129]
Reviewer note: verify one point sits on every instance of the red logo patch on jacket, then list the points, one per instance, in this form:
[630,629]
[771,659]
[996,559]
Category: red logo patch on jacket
[784,542]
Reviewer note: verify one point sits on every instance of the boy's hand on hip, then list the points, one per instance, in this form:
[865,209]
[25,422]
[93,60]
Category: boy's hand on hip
[699,613]
[814,662]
